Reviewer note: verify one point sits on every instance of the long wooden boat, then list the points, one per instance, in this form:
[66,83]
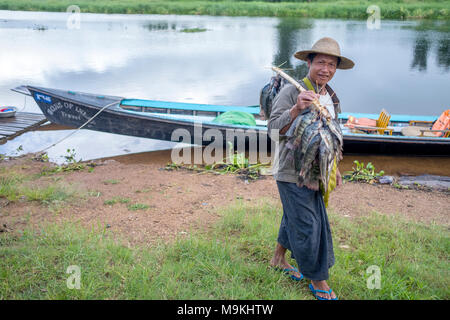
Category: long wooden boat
[189,123]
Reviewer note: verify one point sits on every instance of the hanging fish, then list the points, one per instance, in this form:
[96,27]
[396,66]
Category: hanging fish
[315,141]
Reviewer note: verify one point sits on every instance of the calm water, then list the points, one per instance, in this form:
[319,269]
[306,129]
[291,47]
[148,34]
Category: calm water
[147,56]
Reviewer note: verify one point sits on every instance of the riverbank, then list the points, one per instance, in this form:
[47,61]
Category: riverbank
[143,202]
[138,231]
[344,9]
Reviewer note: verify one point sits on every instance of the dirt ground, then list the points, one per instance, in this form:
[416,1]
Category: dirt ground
[180,201]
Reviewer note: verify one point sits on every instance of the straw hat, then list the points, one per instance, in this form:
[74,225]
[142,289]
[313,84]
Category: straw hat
[326,46]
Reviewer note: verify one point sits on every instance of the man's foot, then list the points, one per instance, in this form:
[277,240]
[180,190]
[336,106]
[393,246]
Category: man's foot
[284,265]
[279,261]
[322,285]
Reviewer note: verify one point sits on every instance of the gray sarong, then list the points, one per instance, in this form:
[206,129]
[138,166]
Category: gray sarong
[305,230]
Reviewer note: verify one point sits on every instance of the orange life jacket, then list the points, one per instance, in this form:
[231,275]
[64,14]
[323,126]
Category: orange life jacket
[442,123]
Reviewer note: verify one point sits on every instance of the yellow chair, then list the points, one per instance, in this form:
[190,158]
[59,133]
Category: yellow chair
[383,121]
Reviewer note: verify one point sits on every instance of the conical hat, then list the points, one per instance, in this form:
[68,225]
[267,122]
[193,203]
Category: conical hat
[326,46]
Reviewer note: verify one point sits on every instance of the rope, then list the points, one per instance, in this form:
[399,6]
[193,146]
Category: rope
[24,104]
[82,126]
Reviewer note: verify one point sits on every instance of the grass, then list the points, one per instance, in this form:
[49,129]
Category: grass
[138,206]
[344,9]
[228,262]
[111,181]
[15,187]
[115,200]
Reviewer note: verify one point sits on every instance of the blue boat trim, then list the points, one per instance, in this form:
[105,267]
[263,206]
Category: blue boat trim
[396,137]
[394,117]
[187,106]
[256,110]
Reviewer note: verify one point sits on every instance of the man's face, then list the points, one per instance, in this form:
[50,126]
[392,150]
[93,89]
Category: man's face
[322,68]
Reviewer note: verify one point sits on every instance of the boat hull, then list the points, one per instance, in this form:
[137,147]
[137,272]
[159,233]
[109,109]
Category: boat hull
[70,112]
[75,109]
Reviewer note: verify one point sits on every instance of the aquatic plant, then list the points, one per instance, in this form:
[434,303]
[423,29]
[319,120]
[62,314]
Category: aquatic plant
[362,173]
[234,163]
[193,30]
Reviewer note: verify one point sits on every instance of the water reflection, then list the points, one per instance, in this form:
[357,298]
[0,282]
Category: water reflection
[430,33]
[292,33]
[443,53]
[421,49]
[159,25]
[86,143]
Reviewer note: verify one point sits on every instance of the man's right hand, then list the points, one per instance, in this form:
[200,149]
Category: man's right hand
[305,98]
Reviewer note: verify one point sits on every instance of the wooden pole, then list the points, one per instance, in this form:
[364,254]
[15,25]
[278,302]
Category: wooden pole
[289,78]
[294,82]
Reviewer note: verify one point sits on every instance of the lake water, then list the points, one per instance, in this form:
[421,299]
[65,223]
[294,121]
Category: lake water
[397,67]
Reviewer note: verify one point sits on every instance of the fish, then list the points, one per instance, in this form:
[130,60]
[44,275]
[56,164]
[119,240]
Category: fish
[315,143]
[304,122]
[310,132]
[326,151]
[305,175]
[323,161]
[307,129]
[315,146]
[335,129]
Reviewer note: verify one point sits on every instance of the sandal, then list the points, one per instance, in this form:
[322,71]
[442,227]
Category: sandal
[288,270]
[314,291]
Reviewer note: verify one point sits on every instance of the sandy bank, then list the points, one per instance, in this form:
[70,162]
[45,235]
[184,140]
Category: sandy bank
[142,202]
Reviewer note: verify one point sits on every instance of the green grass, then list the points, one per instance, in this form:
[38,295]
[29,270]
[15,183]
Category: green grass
[229,262]
[345,9]
[115,200]
[111,181]
[16,187]
[138,206]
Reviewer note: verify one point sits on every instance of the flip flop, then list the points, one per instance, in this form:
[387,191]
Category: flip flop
[322,291]
[287,270]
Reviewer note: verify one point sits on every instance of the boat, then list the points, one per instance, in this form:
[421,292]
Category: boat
[193,123]
[7,111]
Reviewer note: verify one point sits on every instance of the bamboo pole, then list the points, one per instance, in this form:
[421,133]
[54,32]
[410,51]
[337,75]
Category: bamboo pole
[289,78]
[299,87]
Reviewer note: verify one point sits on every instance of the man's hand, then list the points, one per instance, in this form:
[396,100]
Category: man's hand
[305,98]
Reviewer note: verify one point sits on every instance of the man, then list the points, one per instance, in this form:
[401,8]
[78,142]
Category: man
[304,228]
